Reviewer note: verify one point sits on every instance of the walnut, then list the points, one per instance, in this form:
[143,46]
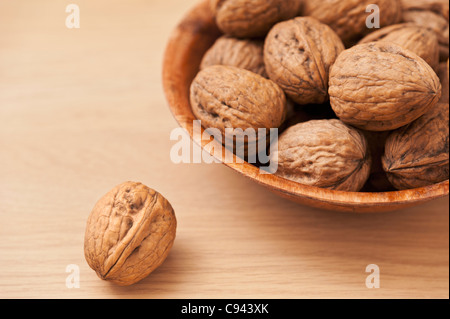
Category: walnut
[229,97]
[417,155]
[323,153]
[419,40]
[252,18]
[348,17]
[242,53]
[444,78]
[129,233]
[379,86]
[432,14]
[298,54]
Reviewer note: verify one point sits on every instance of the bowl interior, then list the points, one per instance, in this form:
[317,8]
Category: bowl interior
[185,49]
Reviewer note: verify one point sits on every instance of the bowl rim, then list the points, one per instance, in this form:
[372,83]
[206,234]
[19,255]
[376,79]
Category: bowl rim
[173,60]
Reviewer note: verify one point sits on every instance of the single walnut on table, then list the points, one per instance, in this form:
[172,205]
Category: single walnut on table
[298,54]
[379,86]
[419,40]
[431,14]
[252,18]
[348,17]
[241,53]
[324,153]
[129,233]
[417,155]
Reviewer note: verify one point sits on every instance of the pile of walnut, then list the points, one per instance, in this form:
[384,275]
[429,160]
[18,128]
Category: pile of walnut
[359,109]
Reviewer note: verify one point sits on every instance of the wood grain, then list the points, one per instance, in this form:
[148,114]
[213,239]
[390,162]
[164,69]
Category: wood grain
[83,110]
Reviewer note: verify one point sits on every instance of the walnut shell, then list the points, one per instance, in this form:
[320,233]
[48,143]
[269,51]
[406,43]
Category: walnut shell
[252,18]
[432,14]
[129,233]
[380,86]
[298,54]
[241,53]
[419,40]
[229,97]
[438,6]
[417,155]
[348,17]
[323,153]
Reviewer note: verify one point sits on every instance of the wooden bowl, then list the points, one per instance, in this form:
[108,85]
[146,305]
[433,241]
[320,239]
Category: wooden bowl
[185,49]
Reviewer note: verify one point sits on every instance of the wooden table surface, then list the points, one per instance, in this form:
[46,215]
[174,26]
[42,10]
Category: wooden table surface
[83,110]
